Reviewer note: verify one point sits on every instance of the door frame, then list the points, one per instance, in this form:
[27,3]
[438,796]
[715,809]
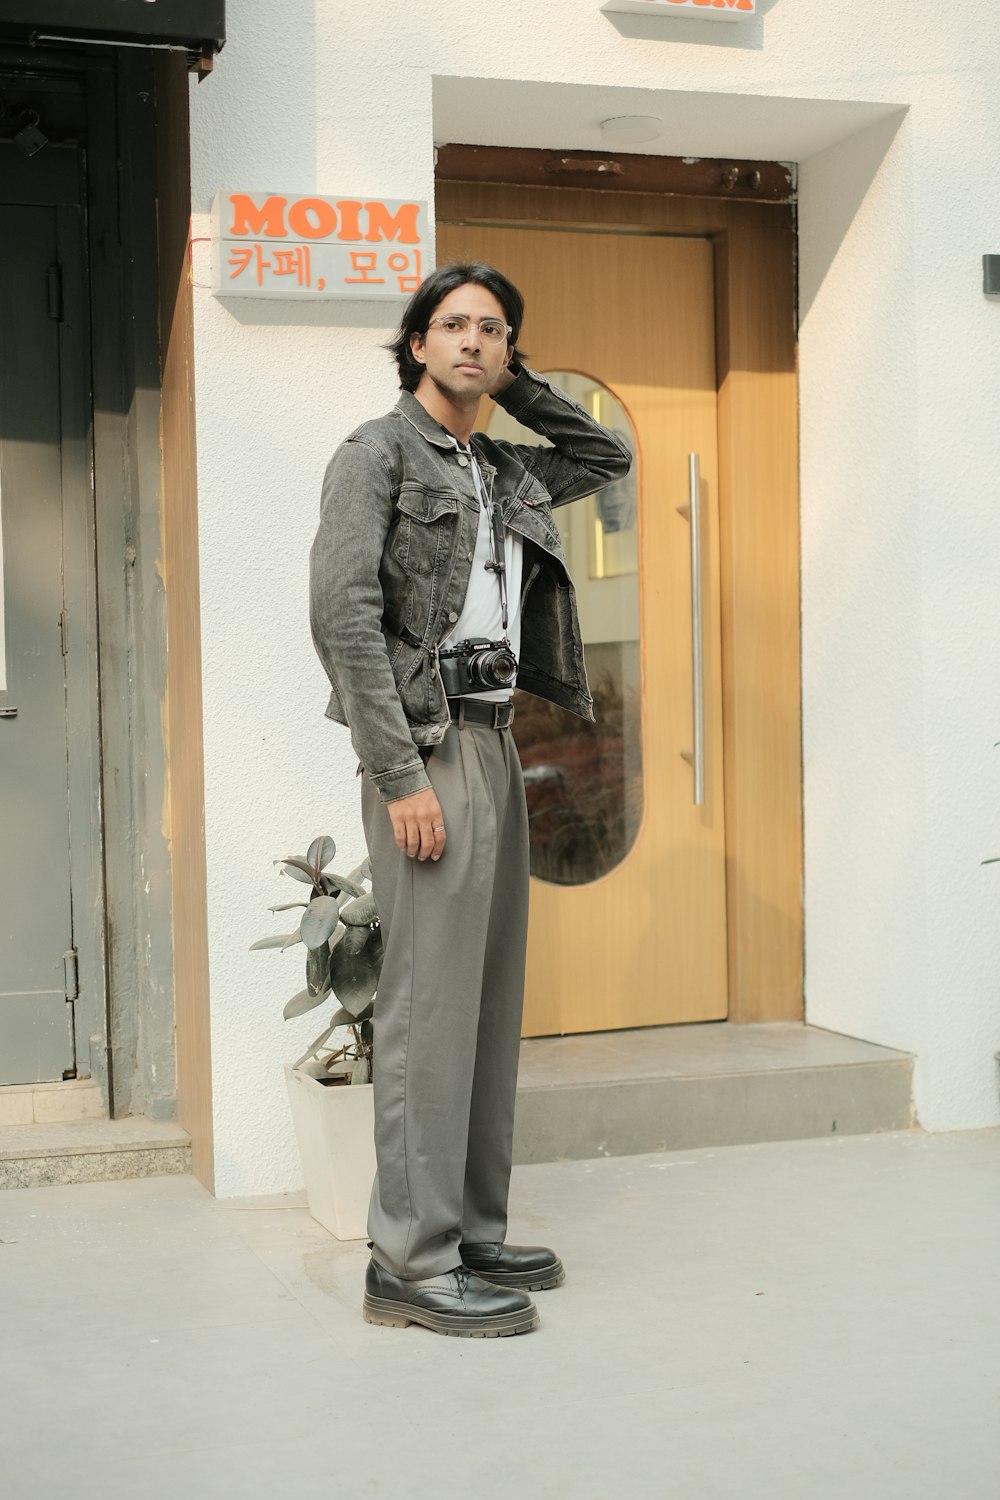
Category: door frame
[747,211]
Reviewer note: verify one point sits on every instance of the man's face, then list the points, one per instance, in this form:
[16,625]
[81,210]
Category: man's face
[466,366]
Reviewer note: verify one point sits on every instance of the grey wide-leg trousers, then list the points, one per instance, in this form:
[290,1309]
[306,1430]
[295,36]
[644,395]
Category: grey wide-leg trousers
[448,1009]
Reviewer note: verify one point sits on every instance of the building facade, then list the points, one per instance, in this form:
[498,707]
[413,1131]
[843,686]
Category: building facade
[780,270]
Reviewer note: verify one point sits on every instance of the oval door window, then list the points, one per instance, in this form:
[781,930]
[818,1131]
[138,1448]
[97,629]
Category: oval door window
[584,781]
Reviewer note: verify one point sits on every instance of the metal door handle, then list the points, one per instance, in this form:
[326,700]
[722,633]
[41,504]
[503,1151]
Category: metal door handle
[697,663]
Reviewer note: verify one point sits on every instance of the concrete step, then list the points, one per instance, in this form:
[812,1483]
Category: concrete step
[673,1088]
[38,1155]
[51,1103]
[619,1093]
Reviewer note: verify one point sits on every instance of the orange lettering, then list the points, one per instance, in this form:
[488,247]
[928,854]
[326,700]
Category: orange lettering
[350,229]
[249,219]
[313,228]
[401,225]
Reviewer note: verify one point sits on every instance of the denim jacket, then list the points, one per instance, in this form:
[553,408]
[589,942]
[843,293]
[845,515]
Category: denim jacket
[390,566]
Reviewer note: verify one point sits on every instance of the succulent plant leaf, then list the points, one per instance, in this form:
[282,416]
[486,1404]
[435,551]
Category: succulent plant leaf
[320,921]
[360,913]
[320,852]
[353,978]
[302,1002]
[278,940]
[318,970]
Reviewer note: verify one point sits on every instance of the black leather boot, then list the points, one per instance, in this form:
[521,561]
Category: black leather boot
[456,1303]
[532,1268]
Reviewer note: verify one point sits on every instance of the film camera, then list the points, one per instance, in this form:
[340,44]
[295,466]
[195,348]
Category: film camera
[477,666]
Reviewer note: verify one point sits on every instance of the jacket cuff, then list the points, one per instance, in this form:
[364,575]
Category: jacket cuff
[402,781]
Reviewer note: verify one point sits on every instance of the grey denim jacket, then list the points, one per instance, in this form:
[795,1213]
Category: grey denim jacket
[390,566]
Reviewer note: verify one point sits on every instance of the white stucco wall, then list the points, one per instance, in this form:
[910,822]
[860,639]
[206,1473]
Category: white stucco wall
[893,112]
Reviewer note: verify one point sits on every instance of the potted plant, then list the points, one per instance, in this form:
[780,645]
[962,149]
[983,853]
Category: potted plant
[330,1085]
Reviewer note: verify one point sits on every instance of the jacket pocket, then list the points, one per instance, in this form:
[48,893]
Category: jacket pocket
[414,690]
[427,521]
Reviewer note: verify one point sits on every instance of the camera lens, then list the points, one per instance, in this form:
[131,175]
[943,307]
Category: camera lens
[493,669]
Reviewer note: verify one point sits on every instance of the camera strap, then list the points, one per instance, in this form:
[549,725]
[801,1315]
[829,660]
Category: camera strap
[498,560]
[498,557]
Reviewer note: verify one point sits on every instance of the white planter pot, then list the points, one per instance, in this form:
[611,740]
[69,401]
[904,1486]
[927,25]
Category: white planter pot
[335,1131]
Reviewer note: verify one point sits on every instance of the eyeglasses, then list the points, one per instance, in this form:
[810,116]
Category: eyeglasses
[456,325]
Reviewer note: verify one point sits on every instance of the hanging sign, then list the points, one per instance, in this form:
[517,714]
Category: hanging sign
[173,23]
[282,245]
[695,10]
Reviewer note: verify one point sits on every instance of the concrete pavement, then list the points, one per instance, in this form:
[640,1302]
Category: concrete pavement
[818,1319]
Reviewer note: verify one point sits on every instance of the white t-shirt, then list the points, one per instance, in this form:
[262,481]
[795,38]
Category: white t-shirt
[482,616]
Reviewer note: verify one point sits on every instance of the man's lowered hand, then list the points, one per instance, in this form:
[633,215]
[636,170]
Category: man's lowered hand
[418,824]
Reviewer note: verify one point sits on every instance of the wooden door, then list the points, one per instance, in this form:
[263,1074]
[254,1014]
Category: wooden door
[635,935]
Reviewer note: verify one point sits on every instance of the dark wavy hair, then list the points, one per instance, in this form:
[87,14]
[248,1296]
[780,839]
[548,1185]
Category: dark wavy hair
[431,293]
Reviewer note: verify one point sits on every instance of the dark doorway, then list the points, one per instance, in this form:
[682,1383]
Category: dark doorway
[51,968]
[86,953]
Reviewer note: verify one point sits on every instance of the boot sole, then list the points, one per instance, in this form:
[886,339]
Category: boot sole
[389,1314]
[541,1280]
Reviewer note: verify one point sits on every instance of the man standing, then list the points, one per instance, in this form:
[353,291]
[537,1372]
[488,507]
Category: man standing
[437,574]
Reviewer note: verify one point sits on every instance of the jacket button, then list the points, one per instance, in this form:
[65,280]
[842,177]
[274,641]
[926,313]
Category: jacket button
[464,462]
[452,617]
[469,556]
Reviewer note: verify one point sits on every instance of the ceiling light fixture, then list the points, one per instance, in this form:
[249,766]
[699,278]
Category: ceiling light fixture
[631,129]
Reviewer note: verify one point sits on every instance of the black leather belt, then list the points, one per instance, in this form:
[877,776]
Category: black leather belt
[469,711]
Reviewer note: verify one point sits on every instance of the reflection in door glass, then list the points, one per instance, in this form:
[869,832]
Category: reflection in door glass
[584,781]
